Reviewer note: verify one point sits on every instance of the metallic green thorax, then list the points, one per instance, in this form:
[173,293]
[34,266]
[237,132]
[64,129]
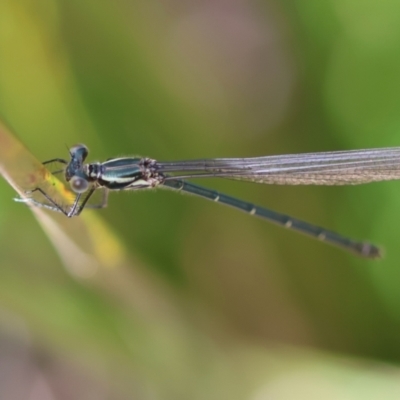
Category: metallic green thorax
[124,173]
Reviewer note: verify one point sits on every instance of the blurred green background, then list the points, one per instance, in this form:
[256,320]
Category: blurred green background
[241,309]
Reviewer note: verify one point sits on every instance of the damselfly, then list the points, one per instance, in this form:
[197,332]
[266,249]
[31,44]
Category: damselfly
[135,173]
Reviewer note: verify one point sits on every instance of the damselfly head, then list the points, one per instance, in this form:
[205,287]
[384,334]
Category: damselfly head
[78,154]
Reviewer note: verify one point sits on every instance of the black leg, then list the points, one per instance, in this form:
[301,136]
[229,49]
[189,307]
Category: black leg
[55,207]
[56,160]
[103,203]
[77,209]
[60,160]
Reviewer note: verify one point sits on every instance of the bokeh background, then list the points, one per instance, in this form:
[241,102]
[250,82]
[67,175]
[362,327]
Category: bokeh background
[223,306]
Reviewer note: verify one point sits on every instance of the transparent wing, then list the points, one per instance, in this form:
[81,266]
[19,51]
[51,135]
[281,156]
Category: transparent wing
[325,168]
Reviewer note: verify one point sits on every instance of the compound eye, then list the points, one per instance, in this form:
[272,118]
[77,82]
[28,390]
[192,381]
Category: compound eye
[78,184]
[79,151]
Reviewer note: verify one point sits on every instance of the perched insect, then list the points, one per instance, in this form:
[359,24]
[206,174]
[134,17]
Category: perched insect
[133,173]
